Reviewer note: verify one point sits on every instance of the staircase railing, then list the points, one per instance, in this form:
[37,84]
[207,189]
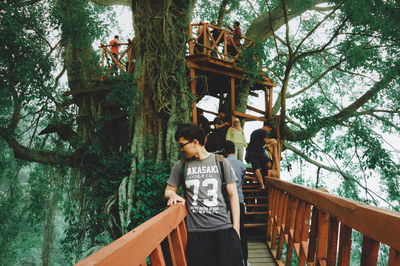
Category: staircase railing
[318,227]
[143,244]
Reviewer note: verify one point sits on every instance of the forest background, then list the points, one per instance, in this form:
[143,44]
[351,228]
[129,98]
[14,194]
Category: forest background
[73,179]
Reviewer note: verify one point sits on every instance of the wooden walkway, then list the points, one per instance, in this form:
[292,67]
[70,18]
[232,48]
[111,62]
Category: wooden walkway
[259,254]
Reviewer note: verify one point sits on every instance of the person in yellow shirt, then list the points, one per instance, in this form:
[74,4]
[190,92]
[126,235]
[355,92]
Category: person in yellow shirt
[236,135]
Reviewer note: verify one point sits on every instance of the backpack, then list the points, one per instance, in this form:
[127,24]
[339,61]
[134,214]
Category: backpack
[219,159]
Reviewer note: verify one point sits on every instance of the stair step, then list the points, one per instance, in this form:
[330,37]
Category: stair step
[254,190]
[255,225]
[255,213]
[256,197]
[250,186]
[256,205]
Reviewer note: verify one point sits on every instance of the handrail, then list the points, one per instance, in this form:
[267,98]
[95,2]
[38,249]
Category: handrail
[118,62]
[203,41]
[318,226]
[144,242]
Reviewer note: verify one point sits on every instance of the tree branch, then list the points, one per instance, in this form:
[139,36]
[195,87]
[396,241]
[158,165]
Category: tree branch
[65,132]
[332,169]
[127,3]
[344,114]
[315,81]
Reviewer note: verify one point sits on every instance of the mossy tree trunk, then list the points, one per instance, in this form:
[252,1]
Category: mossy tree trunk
[160,76]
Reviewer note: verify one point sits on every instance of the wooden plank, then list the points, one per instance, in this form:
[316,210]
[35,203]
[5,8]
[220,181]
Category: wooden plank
[194,92]
[313,236]
[183,233]
[177,249]
[250,117]
[233,100]
[292,219]
[157,257]
[281,239]
[298,227]
[344,245]
[332,241]
[379,224]
[304,234]
[148,236]
[394,257]
[226,72]
[251,108]
[323,230]
[370,250]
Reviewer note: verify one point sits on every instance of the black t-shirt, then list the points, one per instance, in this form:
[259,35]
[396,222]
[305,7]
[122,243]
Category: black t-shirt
[257,140]
[204,123]
[220,131]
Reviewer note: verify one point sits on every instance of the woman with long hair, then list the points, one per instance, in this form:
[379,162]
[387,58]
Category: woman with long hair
[236,135]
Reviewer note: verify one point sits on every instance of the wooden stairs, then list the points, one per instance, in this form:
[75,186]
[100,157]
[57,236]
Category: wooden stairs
[256,201]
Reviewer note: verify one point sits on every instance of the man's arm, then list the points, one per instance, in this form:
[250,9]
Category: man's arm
[173,198]
[235,209]
[270,141]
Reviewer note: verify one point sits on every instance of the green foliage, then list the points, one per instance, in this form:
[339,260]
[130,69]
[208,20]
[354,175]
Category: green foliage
[124,92]
[149,193]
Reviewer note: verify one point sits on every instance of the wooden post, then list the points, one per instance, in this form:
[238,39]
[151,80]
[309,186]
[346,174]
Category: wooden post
[191,44]
[332,241]
[233,103]
[193,88]
[344,245]
[157,257]
[266,99]
[323,230]
[270,91]
[370,249]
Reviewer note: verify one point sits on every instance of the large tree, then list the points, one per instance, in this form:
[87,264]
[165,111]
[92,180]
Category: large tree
[336,65]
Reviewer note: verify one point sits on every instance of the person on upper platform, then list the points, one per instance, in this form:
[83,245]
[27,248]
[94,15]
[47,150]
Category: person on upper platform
[237,34]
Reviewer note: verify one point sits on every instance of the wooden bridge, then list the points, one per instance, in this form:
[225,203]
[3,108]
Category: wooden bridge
[287,224]
[313,226]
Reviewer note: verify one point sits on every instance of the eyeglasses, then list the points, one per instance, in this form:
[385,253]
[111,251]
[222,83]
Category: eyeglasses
[184,144]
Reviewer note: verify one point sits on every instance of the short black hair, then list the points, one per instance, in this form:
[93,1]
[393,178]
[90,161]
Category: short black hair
[190,132]
[237,23]
[266,123]
[116,37]
[229,147]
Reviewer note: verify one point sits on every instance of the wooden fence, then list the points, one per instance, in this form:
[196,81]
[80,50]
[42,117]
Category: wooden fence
[143,244]
[318,227]
[214,41]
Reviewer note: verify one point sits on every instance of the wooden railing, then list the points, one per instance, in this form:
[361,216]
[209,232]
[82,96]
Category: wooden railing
[124,61]
[202,40]
[143,244]
[318,227]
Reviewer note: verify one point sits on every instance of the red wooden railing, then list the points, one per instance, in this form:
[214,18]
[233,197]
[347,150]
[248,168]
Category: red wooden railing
[124,61]
[202,41]
[143,243]
[318,226]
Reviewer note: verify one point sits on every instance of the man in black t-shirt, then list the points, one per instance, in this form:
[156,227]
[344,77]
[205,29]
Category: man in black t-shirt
[221,126]
[255,152]
[203,122]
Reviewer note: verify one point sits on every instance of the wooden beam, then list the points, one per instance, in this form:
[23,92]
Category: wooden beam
[233,104]
[247,116]
[193,88]
[251,108]
[224,72]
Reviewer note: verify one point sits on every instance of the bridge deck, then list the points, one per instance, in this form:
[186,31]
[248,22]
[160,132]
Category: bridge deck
[259,254]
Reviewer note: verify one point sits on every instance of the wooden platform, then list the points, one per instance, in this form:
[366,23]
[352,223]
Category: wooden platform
[259,254]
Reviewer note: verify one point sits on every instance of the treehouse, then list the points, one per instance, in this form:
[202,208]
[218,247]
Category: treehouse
[290,224]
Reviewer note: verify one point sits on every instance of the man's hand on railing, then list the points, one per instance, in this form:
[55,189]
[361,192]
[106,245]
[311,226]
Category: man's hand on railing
[174,199]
